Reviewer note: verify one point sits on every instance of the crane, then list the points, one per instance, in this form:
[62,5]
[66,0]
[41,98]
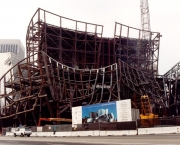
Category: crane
[145,19]
[147,117]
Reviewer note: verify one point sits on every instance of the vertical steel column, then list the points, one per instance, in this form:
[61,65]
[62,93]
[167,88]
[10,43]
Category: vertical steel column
[60,41]
[118,81]
[94,87]
[111,79]
[102,86]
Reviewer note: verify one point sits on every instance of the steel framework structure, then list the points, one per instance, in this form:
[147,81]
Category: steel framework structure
[172,89]
[145,19]
[69,64]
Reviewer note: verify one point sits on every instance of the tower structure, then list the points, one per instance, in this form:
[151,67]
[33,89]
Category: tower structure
[145,19]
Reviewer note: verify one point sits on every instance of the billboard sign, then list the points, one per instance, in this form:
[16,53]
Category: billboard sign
[103,112]
[124,110]
[117,111]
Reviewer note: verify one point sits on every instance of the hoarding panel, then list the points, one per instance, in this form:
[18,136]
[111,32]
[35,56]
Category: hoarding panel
[76,115]
[124,110]
[104,112]
[117,111]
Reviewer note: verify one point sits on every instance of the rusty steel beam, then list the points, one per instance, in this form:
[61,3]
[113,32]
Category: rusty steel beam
[69,64]
[171,80]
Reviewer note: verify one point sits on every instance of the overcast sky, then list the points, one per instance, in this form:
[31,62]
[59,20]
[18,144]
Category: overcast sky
[15,16]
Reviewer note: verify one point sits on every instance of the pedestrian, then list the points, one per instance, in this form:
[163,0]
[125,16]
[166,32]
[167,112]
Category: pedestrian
[54,129]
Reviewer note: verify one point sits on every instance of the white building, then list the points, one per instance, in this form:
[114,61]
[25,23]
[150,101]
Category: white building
[11,52]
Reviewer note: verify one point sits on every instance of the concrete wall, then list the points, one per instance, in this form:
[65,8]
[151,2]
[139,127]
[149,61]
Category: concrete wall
[81,133]
[159,130]
[139,131]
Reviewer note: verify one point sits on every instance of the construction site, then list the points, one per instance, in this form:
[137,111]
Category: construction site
[68,67]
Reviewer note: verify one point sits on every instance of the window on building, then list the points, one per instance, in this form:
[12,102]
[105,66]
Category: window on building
[9,48]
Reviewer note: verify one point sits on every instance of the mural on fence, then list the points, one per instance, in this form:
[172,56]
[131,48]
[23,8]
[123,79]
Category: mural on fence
[104,112]
[116,111]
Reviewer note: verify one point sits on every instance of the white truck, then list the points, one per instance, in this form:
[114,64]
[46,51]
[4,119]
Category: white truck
[22,131]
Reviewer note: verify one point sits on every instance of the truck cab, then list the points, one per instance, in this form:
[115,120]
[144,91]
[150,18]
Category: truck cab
[22,131]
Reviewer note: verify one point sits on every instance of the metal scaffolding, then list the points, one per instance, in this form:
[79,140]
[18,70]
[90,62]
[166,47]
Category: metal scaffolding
[171,81]
[69,64]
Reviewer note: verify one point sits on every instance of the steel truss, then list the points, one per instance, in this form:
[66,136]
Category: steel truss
[142,84]
[70,64]
[172,89]
[135,51]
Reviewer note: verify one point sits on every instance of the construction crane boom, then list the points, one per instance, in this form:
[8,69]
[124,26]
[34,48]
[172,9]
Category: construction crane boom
[145,19]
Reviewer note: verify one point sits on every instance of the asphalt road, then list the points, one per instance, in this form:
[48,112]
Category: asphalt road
[166,139]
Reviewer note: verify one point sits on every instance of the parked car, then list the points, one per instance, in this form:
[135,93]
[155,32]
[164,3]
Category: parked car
[23,131]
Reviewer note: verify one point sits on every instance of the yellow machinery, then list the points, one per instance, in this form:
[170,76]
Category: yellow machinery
[146,116]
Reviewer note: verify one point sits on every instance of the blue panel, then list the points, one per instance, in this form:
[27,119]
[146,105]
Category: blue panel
[104,112]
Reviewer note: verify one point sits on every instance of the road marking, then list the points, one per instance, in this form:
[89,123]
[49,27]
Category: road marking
[55,144]
[12,142]
[147,144]
[16,143]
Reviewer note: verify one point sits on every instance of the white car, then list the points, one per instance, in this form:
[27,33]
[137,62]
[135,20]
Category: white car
[23,131]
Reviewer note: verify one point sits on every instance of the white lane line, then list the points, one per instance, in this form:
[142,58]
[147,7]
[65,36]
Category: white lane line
[55,144]
[149,143]
[16,143]
[166,144]
[117,143]
[85,142]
